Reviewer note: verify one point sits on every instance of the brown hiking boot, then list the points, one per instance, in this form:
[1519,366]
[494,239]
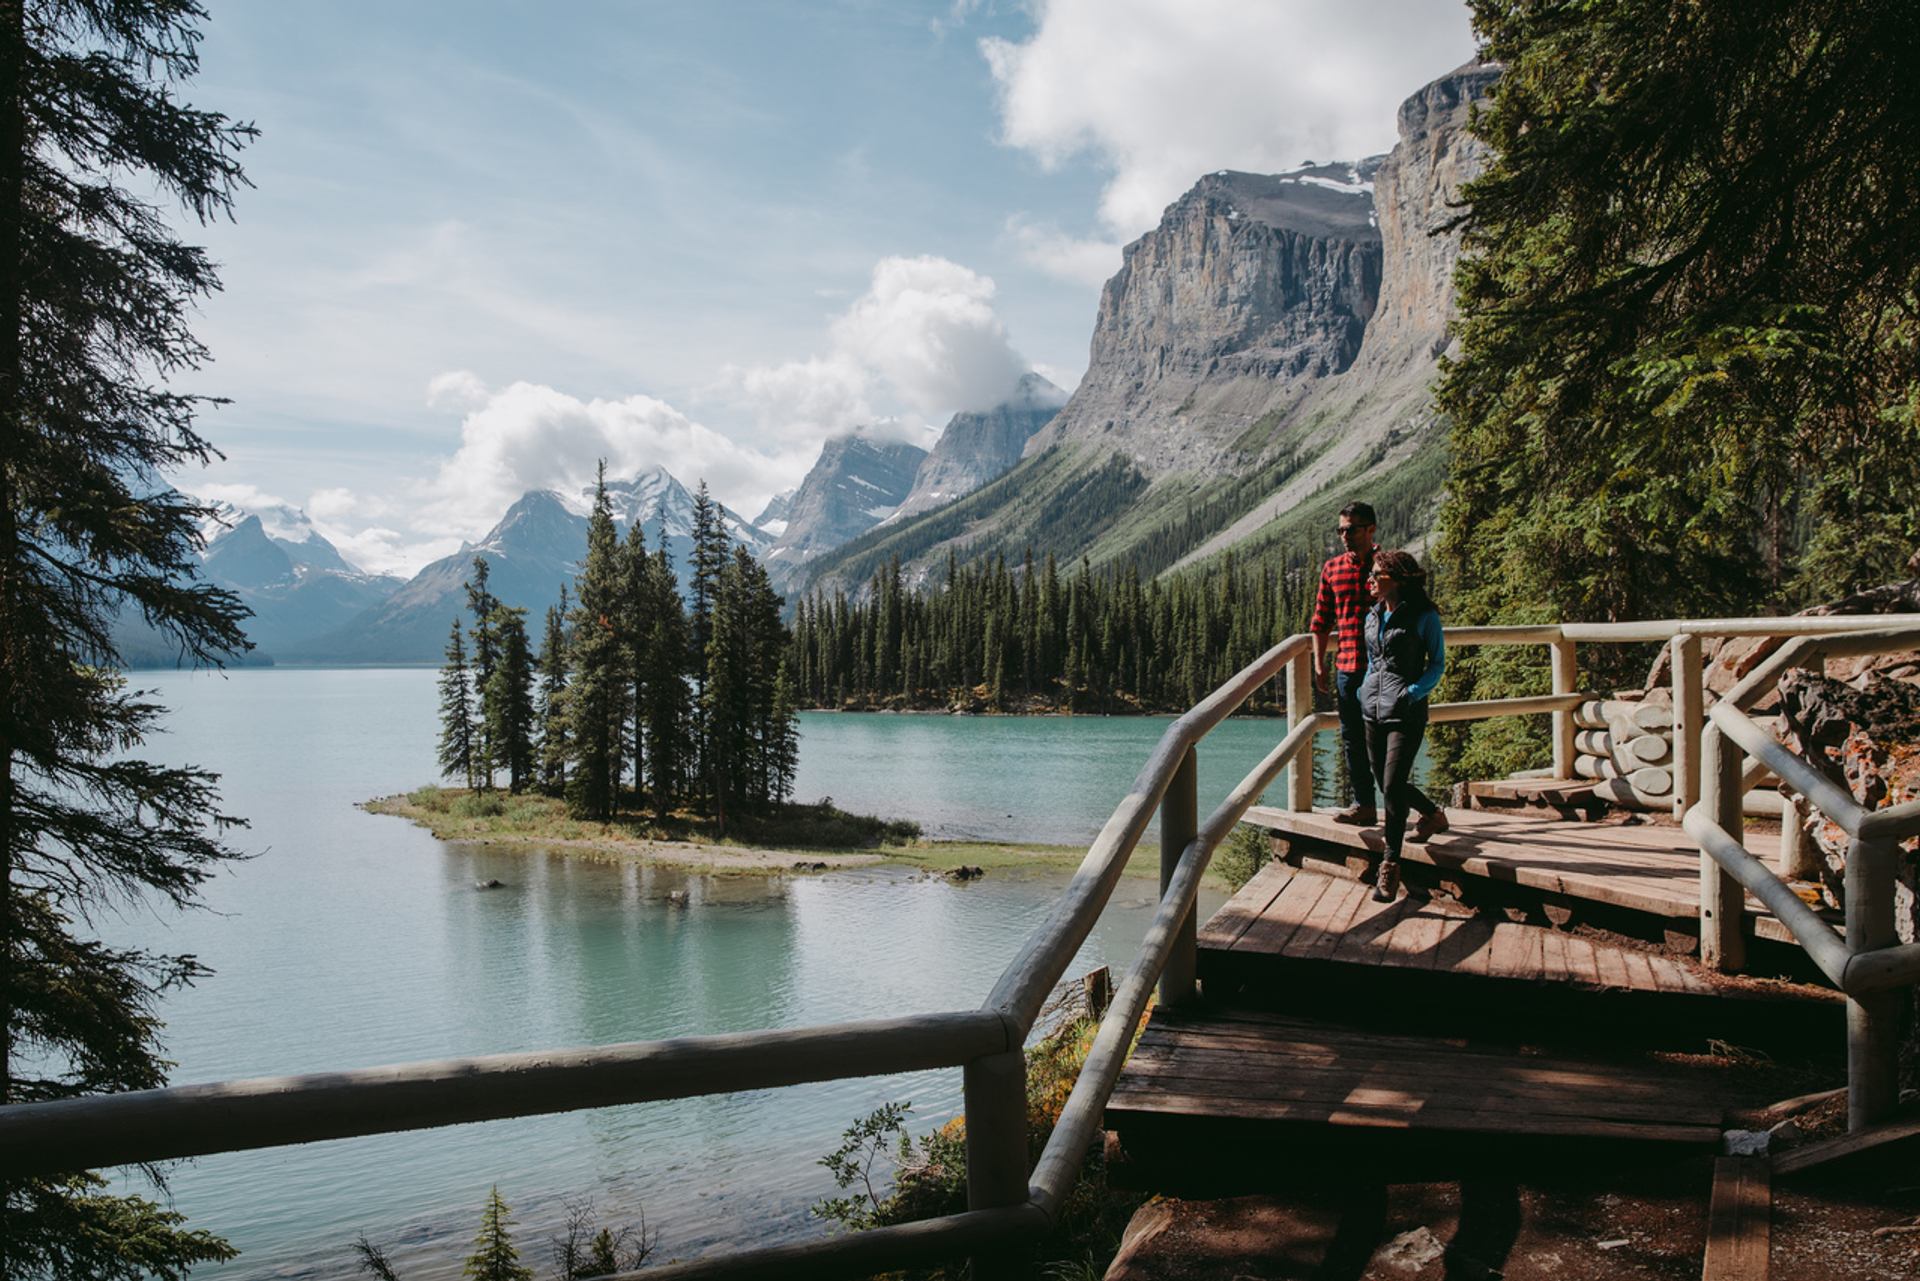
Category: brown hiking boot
[1386,880]
[1429,826]
[1358,816]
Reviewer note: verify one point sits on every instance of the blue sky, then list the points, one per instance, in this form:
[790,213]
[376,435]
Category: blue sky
[491,241]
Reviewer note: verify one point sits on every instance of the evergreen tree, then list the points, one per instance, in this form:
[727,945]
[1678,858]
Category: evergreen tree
[456,711]
[597,686]
[669,709]
[494,1257]
[95,298]
[1687,321]
[489,753]
[551,710]
[783,739]
[507,702]
[636,607]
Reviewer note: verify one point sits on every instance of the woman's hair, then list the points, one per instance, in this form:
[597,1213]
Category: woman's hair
[1401,566]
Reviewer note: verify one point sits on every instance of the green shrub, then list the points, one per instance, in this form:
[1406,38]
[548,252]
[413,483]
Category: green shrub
[433,799]
[930,1175]
[480,805]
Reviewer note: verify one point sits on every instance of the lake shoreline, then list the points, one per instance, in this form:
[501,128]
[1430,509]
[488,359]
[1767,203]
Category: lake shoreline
[617,842]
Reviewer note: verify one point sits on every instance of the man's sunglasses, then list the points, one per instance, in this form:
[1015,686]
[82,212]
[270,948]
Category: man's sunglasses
[1345,530]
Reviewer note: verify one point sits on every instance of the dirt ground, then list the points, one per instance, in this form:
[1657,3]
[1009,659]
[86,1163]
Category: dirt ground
[1652,1225]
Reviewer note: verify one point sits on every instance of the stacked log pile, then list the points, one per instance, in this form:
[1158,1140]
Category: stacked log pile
[1627,749]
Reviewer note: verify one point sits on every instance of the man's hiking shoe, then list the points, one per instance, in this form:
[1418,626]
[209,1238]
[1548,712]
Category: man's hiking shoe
[1430,826]
[1358,816]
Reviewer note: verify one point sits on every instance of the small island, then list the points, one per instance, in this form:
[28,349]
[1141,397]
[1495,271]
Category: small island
[786,838]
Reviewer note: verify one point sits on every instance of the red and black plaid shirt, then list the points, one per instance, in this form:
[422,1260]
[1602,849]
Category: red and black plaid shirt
[1342,603]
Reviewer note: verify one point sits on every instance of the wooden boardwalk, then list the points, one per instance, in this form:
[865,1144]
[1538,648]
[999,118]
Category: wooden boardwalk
[1304,916]
[1652,868]
[1414,1035]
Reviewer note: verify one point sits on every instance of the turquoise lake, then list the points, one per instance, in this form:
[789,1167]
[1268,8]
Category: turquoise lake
[350,939]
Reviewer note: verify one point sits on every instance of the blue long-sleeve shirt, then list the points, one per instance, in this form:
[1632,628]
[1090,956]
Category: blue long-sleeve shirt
[1430,632]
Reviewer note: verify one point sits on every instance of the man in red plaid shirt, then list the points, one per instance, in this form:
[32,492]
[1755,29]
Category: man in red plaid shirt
[1340,607]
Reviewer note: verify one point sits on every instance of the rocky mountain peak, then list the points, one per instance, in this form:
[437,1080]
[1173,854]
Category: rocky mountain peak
[976,447]
[1252,287]
[858,481]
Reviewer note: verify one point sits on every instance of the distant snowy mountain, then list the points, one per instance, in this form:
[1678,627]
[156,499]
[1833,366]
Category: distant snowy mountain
[980,446]
[856,483]
[534,548]
[774,516]
[297,584]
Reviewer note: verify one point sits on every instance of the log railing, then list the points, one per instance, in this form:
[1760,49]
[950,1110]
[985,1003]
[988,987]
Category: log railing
[1009,1205]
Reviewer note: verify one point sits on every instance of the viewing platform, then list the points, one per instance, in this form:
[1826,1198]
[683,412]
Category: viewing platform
[1434,1040]
[1647,867]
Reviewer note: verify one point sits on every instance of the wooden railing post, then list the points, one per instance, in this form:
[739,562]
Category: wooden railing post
[1689,717]
[1796,860]
[1300,704]
[1873,1020]
[1566,680]
[1179,824]
[1723,900]
[994,1089]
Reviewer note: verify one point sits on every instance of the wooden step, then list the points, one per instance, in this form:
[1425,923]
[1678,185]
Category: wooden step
[1262,1081]
[1648,868]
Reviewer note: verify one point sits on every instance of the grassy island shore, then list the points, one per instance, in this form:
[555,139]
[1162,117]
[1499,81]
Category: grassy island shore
[792,838]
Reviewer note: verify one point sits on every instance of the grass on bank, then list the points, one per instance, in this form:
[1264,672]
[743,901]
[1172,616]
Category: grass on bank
[821,830]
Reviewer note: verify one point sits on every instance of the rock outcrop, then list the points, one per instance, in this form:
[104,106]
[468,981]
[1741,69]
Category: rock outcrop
[976,447]
[1252,288]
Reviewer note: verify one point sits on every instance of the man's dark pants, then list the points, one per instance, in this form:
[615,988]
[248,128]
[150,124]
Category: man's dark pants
[1353,736]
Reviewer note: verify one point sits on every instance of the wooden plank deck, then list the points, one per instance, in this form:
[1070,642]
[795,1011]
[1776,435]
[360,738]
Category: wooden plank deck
[1314,943]
[1252,1068]
[1652,868]
[1288,913]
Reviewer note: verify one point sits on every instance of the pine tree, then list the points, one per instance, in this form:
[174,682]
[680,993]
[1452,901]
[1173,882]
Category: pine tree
[456,711]
[597,684]
[669,709]
[489,753]
[783,739]
[636,609]
[96,294]
[1687,322]
[551,710]
[507,701]
[494,1257]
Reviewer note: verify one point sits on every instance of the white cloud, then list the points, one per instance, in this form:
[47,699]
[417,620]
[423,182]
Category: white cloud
[922,342]
[1162,91]
[456,389]
[526,436]
[1084,261]
[336,503]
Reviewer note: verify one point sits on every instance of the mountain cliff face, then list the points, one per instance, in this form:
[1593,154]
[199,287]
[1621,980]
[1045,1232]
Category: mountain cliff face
[1252,288]
[977,447]
[1263,356]
[857,483]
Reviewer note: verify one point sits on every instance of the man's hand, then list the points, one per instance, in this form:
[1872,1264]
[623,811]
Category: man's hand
[1320,678]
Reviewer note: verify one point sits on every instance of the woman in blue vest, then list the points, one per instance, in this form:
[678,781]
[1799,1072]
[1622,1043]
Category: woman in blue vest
[1405,657]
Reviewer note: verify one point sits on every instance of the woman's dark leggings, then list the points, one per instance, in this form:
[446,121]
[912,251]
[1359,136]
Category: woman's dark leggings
[1392,745]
